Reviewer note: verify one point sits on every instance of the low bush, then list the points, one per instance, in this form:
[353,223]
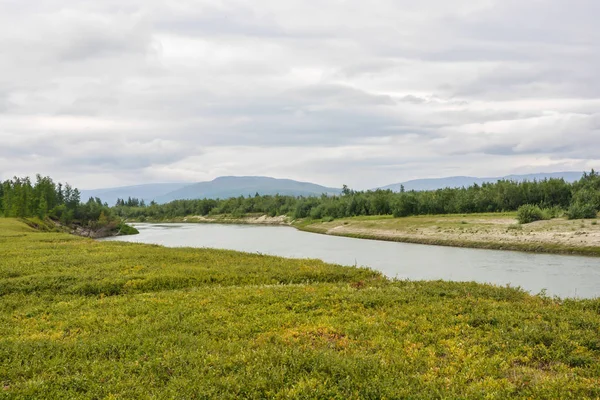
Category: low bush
[582,211]
[553,212]
[530,213]
[82,319]
[125,229]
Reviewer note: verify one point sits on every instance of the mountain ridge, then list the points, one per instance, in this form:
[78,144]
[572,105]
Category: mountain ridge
[460,181]
[235,186]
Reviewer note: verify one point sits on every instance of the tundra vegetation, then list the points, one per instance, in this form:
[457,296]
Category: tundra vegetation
[90,319]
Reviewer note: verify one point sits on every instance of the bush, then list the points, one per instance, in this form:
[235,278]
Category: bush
[553,212]
[582,211]
[125,229]
[238,213]
[317,212]
[530,213]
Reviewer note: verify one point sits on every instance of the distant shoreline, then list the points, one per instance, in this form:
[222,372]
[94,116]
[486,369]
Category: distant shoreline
[495,231]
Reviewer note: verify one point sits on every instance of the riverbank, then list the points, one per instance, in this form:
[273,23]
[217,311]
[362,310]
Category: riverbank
[497,231]
[89,319]
[252,219]
[487,231]
[109,230]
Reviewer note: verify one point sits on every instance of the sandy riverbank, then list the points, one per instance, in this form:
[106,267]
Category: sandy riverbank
[492,231]
[228,219]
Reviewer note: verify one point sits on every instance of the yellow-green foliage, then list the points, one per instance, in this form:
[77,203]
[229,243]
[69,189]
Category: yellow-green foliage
[85,319]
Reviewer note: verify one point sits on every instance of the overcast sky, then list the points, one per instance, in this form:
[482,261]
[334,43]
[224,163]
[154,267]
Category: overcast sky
[366,93]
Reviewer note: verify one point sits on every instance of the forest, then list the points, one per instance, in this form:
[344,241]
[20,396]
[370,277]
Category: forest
[553,197]
[43,198]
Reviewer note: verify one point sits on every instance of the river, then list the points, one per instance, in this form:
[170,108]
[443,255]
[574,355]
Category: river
[564,276]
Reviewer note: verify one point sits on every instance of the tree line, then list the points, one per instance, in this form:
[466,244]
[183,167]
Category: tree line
[580,199]
[22,198]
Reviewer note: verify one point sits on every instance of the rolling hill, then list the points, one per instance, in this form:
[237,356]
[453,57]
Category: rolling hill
[222,187]
[234,186]
[460,181]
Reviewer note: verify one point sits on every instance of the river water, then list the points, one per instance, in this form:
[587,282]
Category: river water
[564,276]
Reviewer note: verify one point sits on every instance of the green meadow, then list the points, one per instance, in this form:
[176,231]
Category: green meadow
[84,319]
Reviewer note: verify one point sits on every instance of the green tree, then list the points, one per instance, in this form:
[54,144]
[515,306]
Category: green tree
[43,208]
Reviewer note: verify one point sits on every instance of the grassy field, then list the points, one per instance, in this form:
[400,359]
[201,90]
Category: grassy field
[489,231]
[85,319]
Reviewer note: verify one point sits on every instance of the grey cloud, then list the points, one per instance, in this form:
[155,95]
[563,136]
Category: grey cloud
[90,105]
[507,150]
[368,68]
[104,150]
[94,44]
[145,86]
[555,22]
[532,81]
[339,94]
[4,103]
[413,99]
[211,21]
[119,161]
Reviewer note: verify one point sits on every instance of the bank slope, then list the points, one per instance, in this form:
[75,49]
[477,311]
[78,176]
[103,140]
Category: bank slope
[498,231]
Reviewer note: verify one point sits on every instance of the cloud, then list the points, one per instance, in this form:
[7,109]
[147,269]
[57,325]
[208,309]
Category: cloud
[133,91]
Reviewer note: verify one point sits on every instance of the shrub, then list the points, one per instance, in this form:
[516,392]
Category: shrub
[581,211]
[238,213]
[553,212]
[530,213]
[317,212]
[125,229]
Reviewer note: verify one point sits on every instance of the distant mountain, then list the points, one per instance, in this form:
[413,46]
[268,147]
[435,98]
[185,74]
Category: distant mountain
[460,181]
[235,186]
[147,192]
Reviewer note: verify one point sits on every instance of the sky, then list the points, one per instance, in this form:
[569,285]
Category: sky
[363,93]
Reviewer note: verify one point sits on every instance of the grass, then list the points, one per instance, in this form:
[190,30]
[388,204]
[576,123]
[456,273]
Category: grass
[86,319]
